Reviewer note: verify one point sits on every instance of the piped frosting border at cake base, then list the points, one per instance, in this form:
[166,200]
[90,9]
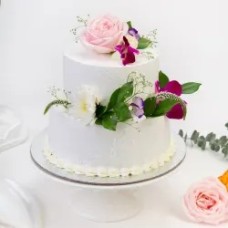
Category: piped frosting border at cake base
[108,171]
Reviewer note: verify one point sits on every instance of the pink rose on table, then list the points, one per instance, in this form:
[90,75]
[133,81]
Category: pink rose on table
[207,202]
[102,34]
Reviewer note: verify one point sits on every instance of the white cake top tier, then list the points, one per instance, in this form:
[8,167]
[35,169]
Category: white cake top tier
[104,71]
[80,54]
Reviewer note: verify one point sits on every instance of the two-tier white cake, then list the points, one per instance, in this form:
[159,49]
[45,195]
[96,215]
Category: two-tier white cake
[93,150]
[118,141]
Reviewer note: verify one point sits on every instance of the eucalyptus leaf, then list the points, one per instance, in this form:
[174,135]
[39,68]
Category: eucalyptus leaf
[195,136]
[163,79]
[226,125]
[216,144]
[210,137]
[185,138]
[143,43]
[149,106]
[225,151]
[190,87]
[181,133]
[223,140]
[202,142]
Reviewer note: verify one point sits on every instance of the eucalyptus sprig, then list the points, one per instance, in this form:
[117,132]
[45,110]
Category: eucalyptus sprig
[210,141]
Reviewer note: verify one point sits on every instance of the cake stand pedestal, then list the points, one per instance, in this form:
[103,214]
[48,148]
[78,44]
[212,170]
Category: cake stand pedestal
[105,199]
[109,205]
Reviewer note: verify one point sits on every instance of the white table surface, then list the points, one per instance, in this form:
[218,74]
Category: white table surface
[193,44]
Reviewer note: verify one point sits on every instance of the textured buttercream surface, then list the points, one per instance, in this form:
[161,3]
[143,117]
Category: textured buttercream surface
[108,171]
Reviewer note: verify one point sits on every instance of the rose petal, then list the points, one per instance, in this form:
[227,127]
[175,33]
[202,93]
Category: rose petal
[102,34]
[209,192]
[98,49]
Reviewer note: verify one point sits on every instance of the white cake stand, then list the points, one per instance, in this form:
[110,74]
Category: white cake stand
[105,199]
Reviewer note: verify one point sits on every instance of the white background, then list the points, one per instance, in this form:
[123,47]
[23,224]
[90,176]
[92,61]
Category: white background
[192,42]
[193,45]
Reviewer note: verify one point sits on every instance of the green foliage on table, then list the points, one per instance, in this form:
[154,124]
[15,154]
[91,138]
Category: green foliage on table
[210,141]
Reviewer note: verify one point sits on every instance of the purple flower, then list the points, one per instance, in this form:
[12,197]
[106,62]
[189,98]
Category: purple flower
[138,107]
[172,87]
[134,32]
[127,52]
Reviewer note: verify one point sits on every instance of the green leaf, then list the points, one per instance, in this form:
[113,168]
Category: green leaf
[210,137]
[185,138]
[98,121]
[190,87]
[163,79]
[120,95]
[226,125]
[122,112]
[109,121]
[225,151]
[163,107]
[100,109]
[181,133]
[168,100]
[223,140]
[143,43]
[129,24]
[201,142]
[217,148]
[149,106]
[64,103]
[195,136]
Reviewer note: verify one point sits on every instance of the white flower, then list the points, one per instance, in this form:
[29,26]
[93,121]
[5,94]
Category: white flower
[84,104]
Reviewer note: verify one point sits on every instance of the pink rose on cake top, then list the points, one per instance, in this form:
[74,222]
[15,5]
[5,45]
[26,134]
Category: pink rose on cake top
[108,34]
[207,201]
[102,34]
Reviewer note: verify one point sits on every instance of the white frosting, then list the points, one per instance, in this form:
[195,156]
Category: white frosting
[82,67]
[93,150]
[95,146]
[108,171]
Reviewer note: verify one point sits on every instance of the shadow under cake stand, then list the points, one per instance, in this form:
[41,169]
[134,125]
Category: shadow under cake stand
[103,199]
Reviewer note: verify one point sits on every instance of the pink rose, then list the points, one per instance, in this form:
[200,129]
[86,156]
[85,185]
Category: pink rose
[104,33]
[207,201]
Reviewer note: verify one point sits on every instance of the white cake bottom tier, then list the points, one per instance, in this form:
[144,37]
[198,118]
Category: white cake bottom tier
[95,151]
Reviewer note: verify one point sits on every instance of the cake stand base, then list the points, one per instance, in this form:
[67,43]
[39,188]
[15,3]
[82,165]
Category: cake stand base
[105,205]
[105,199]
